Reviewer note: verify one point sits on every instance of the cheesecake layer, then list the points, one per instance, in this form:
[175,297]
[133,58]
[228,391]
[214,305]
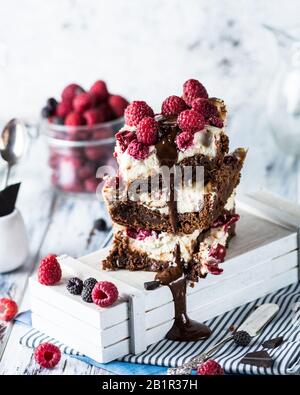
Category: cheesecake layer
[199,251]
[207,148]
[153,215]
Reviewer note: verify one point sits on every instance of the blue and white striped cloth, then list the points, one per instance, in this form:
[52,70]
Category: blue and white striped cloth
[171,354]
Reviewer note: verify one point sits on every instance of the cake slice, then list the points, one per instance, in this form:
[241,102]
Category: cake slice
[201,251]
[197,205]
[166,144]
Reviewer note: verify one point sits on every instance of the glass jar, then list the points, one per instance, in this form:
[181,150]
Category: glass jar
[77,152]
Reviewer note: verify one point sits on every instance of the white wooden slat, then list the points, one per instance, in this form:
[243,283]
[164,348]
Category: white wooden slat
[109,317]
[255,238]
[241,280]
[269,212]
[71,339]
[133,298]
[137,323]
[78,324]
[229,302]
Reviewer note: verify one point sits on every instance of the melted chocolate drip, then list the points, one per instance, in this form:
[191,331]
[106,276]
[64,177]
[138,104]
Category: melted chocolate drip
[166,148]
[167,155]
[183,329]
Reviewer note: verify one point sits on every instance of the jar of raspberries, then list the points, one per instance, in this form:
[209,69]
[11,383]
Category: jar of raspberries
[80,130]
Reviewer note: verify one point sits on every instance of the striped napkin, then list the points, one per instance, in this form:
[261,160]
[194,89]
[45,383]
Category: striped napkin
[168,353]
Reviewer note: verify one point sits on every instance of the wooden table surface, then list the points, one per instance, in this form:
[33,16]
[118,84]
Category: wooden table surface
[61,224]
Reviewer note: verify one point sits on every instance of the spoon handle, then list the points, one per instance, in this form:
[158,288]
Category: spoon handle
[7,176]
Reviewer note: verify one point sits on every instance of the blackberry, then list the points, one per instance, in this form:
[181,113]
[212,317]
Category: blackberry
[51,104]
[100,224]
[241,338]
[57,120]
[46,112]
[74,286]
[88,286]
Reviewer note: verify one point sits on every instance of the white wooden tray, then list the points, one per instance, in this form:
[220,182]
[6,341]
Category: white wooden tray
[262,257]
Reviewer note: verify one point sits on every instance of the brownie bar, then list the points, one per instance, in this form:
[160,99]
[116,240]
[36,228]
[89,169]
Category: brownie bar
[225,179]
[121,256]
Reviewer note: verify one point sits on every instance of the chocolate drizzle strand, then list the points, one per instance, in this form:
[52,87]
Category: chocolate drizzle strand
[167,155]
[183,329]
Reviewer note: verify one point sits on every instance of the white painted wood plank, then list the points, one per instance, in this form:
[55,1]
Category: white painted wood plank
[80,344]
[78,325]
[229,302]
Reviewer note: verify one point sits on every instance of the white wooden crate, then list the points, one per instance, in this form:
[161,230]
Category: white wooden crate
[262,257]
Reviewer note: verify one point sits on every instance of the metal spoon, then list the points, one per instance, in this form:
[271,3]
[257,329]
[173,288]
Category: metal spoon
[13,141]
[253,325]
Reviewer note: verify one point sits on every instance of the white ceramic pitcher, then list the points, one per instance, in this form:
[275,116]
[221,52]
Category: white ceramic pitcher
[14,246]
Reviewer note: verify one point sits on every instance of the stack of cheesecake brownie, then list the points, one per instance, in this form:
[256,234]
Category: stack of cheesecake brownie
[172,201]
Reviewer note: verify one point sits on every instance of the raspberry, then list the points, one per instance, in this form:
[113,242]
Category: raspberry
[190,121]
[139,234]
[94,153]
[124,138]
[136,111]
[184,140]
[91,184]
[173,105]
[118,104]
[71,91]
[212,266]
[225,220]
[192,89]
[93,116]
[8,309]
[210,368]
[147,131]
[105,112]
[74,119]
[88,286]
[49,272]
[74,286]
[138,150]
[82,102]
[241,338]
[64,108]
[215,121]
[86,171]
[100,90]
[105,294]
[218,252]
[204,107]
[47,355]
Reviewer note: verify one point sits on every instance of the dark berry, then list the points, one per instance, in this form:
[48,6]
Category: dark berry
[88,286]
[57,120]
[150,285]
[74,286]
[100,224]
[51,104]
[46,112]
[241,338]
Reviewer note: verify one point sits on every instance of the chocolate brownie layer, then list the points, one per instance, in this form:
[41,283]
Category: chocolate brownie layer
[121,256]
[136,215]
